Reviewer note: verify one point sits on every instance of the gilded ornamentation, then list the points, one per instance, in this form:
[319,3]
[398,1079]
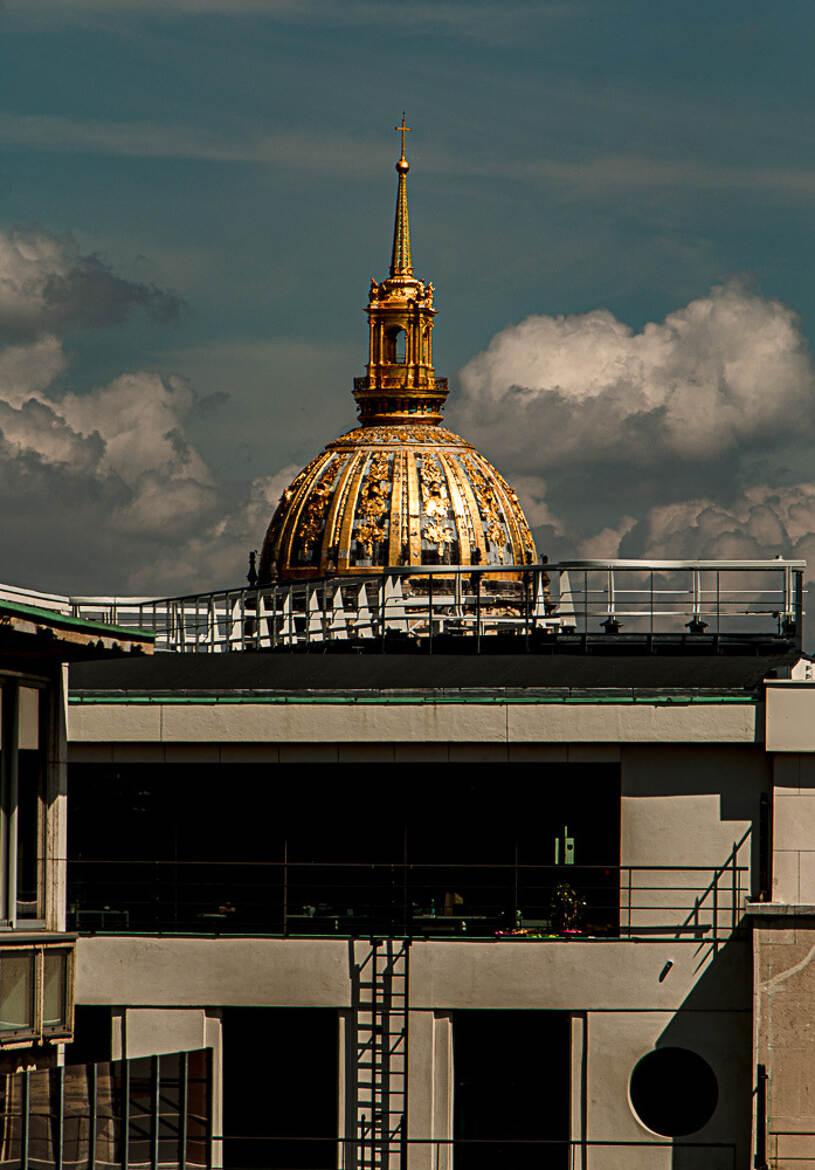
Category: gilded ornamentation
[373,504]
[377,435]
[313,519]
[436,502]
[434,490]
[526,535]
[438,534]
[488,505]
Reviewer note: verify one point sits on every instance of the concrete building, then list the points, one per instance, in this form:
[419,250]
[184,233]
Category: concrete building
[419,852]
[416,820]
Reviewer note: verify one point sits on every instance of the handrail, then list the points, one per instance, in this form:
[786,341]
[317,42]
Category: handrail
[490,899]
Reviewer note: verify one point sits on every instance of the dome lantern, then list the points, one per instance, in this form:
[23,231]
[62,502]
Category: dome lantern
[400,490]
[400,384]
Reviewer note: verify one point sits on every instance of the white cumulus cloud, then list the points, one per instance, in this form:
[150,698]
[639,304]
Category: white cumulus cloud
[728,369]
[685,438]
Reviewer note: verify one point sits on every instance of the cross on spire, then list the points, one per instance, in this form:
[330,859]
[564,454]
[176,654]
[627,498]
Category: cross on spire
[404,129]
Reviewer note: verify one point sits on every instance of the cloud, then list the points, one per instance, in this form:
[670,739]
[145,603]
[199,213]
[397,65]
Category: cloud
[595,179]
[105,490]
[728,370]
[46,285]
[105,493]
[677,440]
[672,440]
[764,521]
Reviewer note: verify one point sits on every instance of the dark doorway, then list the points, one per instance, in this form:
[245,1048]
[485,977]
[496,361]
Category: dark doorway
[93,1028]
[280,1086]
[512,1089]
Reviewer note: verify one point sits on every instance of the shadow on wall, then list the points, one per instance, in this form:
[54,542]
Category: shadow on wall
[696,1084]
[736,777]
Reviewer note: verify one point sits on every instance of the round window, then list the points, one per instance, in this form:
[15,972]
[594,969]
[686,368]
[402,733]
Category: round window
[673,1091]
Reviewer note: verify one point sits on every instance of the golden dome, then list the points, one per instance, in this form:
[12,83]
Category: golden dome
[397,495]
[399,490]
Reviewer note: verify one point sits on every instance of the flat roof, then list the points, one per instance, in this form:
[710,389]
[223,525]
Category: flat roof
[31,629]
[251,674]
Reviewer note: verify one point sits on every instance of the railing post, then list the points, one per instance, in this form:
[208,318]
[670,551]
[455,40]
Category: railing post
[430,612]
[93,1106]
[183,1110]
[285,888]
[526,609]
[718,602]
[736,899]
[124,1152]
[383,601]
[59,1137]
[25,1121]
[155,1109]
[716,875]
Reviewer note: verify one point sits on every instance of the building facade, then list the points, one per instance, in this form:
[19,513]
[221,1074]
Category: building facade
[416,852]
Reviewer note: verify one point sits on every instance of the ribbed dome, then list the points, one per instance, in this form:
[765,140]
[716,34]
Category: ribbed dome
[400,490]
[400,495]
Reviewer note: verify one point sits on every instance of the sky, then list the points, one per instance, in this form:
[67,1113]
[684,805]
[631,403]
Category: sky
[613,199]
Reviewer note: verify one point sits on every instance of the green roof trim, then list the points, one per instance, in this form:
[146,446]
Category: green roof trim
[53,618]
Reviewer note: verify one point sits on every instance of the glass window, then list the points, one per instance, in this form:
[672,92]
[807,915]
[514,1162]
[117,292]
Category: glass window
[28,735]
[17,992]
[54,982]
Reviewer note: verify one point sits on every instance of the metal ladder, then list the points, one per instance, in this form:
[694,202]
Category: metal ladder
[381,1037]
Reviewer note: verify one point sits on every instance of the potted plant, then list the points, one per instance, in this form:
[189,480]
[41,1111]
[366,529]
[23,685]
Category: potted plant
[566,909]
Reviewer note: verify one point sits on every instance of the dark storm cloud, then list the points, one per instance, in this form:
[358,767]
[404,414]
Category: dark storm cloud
[46,285]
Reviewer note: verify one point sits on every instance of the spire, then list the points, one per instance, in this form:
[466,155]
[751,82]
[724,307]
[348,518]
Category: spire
[400,384]
[401,263]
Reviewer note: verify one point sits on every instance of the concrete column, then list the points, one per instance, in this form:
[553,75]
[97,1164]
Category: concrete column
[579,1103]
[784,1034]
[154,1031]
[794,829]
[346,1116]
[430,1089]
[54,867]
[214,1041]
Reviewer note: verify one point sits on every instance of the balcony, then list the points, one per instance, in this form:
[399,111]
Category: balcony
[510,903]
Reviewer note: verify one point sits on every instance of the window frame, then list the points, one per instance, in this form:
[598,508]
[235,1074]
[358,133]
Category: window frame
[10,686]
[39,1030]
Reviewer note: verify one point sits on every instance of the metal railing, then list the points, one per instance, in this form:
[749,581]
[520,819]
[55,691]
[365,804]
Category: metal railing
[790,1149]
[596,599]
[512,902]
[148,1111]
